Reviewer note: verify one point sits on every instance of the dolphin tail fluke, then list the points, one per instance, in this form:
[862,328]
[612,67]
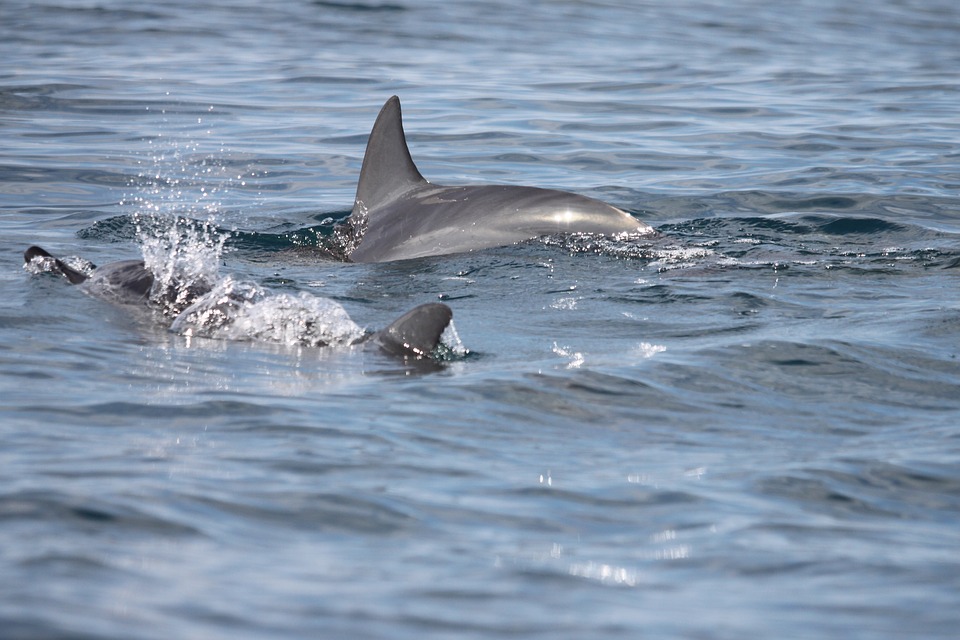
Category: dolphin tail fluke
[56,264]
[417,332]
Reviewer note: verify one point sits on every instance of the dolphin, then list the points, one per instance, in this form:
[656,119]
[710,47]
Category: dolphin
[125,281]
[398,215]
[416,334]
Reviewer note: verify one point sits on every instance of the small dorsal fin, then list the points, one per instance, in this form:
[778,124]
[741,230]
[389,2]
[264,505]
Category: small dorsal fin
[388,169]
[417,332]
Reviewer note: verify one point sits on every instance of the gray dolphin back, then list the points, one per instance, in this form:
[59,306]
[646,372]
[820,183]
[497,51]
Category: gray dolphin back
[398,215]
[124,281]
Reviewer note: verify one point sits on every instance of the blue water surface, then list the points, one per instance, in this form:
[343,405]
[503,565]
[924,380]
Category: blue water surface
[745,426]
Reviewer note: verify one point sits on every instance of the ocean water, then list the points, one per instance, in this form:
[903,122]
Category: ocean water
[745,426]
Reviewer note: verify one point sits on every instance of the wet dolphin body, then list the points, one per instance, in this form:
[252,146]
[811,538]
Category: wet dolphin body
[127,281]
[400,215]
[415,333]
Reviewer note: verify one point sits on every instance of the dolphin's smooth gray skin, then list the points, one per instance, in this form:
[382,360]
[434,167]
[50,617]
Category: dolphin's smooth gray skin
[415,334]
[399,215]
[124,281]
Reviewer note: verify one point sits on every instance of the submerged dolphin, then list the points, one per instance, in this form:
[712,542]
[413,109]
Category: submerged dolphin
[414,334]
[399,215]
[124,281]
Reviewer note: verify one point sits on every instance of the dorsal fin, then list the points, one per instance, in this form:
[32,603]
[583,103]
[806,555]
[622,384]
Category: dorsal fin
[417,332]
[388,169]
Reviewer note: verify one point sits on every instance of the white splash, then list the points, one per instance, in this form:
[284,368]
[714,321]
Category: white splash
[44,264]
[605,573]
[451,345]
[245,311]
[669,258]
[648,350]
[565,304]
[177,209]
[576,357]
[183,255]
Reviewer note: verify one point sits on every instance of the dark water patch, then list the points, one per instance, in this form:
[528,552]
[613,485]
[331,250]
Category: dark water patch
[321,238]
[893,208]
[854,226]
[915,89]
[56,565]
[126,414]
[595,386]
[361,7]
[14,321]
[744,303]
[805,242]
[862,374]
[909,492]
[604,86]
[812,147]
[409,473]
[31,97]
[255,242]
[856,488]
[140,227]
[616,507]
[765,228]
[36,627]
[815,495]
[591,399]
[316,512]
[54,102]
[113,229]
[531,403]
[662,294]
[100,14]
[828,203]
[327,80]
[85,514]
[60,177]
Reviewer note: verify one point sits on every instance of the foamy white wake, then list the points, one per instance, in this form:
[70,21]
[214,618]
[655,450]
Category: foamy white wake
[236,310]
[179,229]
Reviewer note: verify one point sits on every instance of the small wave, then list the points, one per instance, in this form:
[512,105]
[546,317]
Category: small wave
[113,229]
[359,6]
[853,226]
[901,208]
[85,513]
[860,487]
[313,512]
[811,241]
